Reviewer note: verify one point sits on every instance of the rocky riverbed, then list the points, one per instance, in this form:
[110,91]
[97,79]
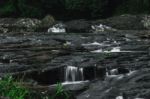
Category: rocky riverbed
[113,61]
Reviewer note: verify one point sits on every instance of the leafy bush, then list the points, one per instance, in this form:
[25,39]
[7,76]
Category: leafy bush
[65,9]
[133,7]
[9,88]
[7,8]
[14,90]
[20,8]
[60,93]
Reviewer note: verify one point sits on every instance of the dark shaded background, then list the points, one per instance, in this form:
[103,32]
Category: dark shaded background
[72,9]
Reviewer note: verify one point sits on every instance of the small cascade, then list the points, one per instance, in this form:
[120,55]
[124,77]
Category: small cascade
[73,74]
[58,28]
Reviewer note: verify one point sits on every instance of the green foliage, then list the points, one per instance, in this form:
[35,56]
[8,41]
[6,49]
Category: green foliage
[20,8]
[14,90]
[9,88]
[64,9]
[93,8]
[76,4]
[7,8]
[134,7]
[60,92]
[27,9]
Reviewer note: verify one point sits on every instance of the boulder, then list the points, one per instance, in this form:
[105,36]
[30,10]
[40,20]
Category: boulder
[26,24]
[30,24]
[123,22]
[146,21]
[102,28]
[47,22]
[18,24]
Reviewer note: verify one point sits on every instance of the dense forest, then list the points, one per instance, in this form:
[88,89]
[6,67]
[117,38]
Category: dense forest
[72,9]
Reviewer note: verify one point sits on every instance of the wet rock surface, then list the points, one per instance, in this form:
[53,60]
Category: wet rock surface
[78,26]
[41,55]
[115,62]
[127,22]
[18,25]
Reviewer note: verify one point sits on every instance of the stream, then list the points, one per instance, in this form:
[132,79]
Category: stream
[83,59]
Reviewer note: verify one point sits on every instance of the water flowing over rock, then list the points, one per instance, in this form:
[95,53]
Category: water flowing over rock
[57,28]
[93,65]
[73,74]
[101,28]
[124,22]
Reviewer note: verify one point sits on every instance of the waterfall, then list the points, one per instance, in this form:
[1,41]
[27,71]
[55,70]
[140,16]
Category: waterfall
[73,74]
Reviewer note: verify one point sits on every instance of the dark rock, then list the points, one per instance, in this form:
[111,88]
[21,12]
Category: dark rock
[146,21]
[133,85]
[3,97]
[47,22]
[41,59]
[74,87]
[123,70]
[124,22]
[78,26]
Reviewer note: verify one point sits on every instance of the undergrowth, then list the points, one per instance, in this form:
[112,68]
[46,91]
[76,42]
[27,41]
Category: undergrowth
[9,88]
[13,89]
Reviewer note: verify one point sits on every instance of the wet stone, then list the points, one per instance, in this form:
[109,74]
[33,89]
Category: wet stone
[109,61]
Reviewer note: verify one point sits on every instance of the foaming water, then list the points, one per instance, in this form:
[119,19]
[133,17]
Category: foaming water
[72,83]
[96,44]
[113,50]
[73,74]
[75,82]
[119,97]
[97,51]
[58,28]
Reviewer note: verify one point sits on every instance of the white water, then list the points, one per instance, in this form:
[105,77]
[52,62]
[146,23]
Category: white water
[75,82]
[58,28]
[72,83]
[96,44]
[73,74]
[102,27]
[119,97]
[113,50]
